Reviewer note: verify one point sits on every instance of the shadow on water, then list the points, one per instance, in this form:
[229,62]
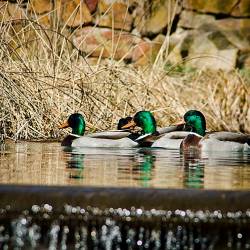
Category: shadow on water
[122,198]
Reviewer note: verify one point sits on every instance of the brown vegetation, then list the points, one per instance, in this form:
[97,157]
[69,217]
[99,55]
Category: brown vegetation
[44,78]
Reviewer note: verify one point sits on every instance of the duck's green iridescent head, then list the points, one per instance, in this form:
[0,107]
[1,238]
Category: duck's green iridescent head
[76,122]
[196,121]
[146,121]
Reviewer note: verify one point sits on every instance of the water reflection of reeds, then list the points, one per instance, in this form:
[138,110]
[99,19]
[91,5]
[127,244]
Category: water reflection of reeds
[48,164]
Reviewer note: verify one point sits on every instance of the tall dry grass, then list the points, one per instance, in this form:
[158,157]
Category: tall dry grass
[44,78]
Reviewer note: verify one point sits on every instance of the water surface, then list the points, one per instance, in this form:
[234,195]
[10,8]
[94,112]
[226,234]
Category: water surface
[51,164]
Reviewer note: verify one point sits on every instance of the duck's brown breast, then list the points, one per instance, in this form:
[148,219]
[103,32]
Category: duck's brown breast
[191,141]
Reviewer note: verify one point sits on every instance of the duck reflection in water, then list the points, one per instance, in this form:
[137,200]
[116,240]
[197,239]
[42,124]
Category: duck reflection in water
[144,167]
[94,164]
[75,164]
[139,163]
[193,168]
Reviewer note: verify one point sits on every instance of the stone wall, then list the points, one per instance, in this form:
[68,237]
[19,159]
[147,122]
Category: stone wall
[213,34]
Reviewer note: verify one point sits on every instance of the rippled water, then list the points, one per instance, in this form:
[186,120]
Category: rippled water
[50,164]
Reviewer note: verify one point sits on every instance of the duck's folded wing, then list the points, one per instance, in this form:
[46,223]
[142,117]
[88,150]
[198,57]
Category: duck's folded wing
[103,143]
[230,136]
[171,140]
[176,135]
[170,129]
[112,134]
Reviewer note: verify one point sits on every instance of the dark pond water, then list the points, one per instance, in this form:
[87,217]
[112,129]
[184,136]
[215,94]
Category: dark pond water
[50,164]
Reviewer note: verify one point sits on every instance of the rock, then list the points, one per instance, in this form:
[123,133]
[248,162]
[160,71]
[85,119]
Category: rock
[105,43]
[114,14]
[211,50]
[236,31]
[100,42]
[146,51]
[73,13]
[192,20]
[140,50]
[177,48]
[40,6]
[91,4]
[10,12]
[242,9]
[139,14]
[159,15]
[199,49]
[211,6]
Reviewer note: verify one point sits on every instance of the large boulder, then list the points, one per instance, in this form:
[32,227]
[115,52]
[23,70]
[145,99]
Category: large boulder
[212,50]
[193,20]
[105,43]
[114,14]
[120,45]
[73,13]
[211,6]
[236,31]
[155,16]
[146,52]
[207,49]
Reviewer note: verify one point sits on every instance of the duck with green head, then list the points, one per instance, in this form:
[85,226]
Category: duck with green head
[113,138]
[150,132]
[196,137]
[213,141]
[144,120]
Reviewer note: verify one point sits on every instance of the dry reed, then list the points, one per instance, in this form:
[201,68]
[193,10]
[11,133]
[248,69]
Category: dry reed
[44,78]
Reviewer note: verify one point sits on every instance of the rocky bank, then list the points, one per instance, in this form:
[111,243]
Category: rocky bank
[211,34]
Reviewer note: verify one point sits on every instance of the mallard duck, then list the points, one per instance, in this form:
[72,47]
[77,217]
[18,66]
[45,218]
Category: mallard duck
[173,139]
[196,136]
[115,138]
[214,141]
[150,132]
